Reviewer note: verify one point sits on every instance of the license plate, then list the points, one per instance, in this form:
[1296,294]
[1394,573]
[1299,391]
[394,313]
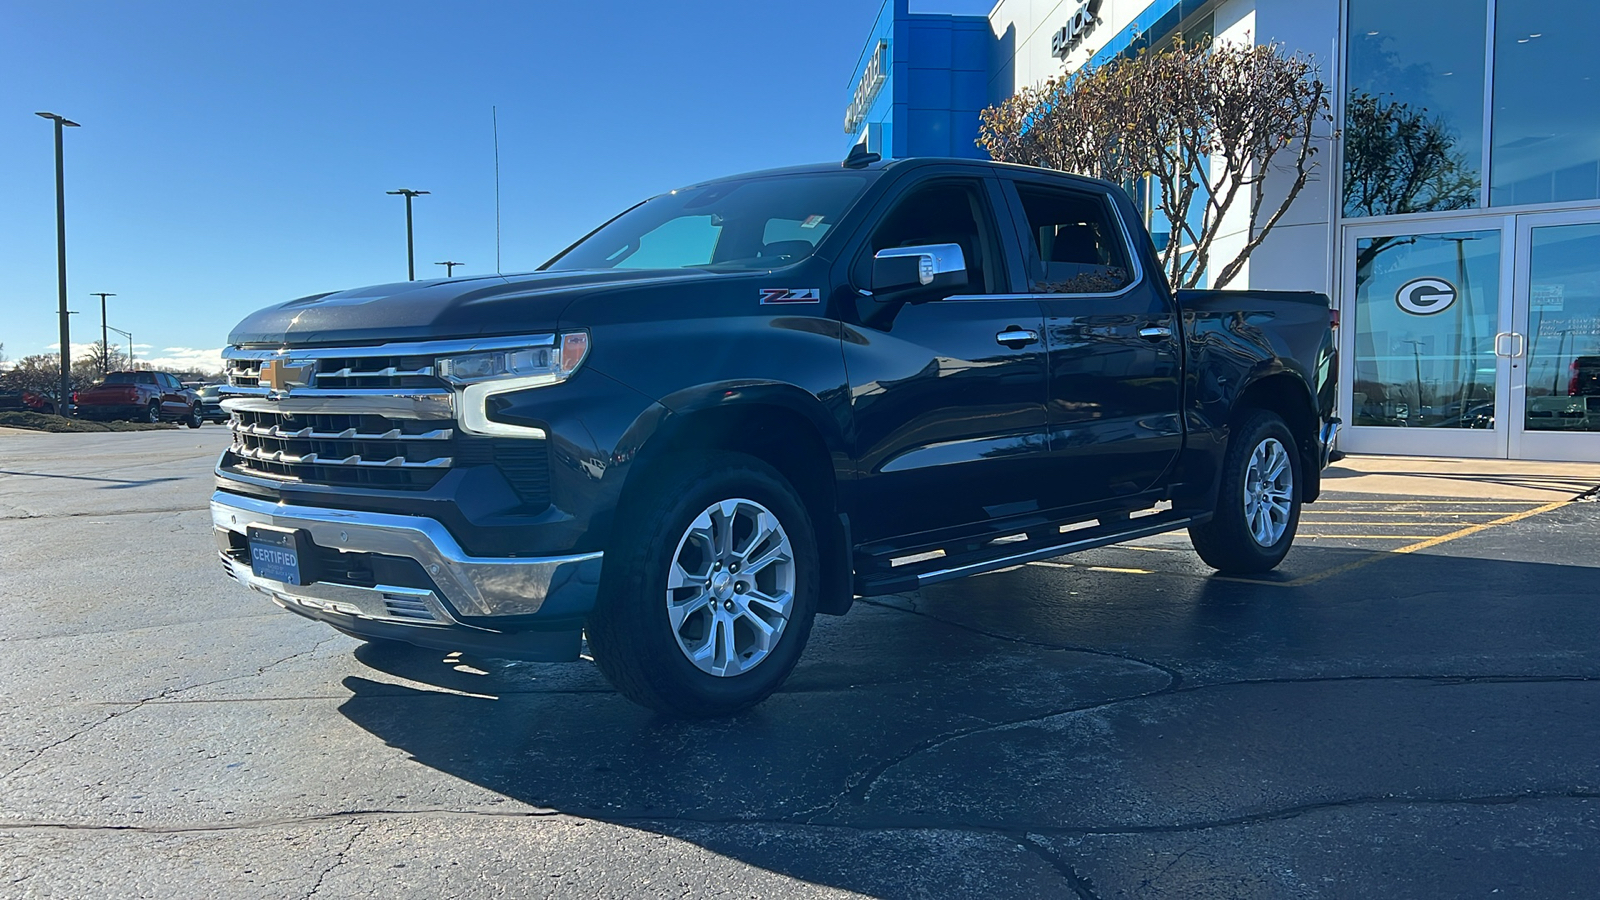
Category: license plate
[275,553]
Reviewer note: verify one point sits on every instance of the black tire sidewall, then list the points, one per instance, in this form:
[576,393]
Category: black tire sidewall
[152,413]
[1226,542]
[195,420]
[633,640]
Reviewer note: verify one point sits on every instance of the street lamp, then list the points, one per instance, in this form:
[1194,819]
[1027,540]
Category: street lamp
[61,250]
[105,354]
[411,257]
[129,336]
[449,267]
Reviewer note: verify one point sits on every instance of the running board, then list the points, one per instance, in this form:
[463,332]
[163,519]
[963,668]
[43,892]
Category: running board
[920,574]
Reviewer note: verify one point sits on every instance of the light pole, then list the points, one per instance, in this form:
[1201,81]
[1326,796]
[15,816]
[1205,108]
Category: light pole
[61,252]
[105,351]
[449,267]
[129,336]
[411,257]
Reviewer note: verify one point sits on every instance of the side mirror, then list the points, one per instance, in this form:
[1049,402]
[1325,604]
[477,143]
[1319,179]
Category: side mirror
[928,266]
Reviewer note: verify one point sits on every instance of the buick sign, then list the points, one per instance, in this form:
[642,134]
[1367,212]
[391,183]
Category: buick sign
[1070,35]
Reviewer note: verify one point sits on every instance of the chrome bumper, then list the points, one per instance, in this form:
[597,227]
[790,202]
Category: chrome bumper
[467,586]
[1325,441]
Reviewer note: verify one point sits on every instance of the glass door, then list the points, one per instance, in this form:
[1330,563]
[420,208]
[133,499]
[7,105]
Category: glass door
[1555,344]
[1425,357]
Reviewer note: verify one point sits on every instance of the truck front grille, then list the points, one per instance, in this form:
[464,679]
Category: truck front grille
[345,450]
[325,372]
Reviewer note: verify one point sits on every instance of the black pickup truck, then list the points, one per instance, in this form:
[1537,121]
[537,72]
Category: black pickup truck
[746,402]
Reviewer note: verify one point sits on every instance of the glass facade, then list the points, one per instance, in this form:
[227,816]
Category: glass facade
[1413,132]
[1564,329]
[1426,307]
[1546,128]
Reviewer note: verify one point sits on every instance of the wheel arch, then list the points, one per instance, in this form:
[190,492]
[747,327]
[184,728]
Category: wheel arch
[1288,395]
[785,427]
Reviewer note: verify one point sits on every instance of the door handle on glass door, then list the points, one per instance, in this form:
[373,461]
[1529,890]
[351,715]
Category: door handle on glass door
[1015,337]
[1502,336]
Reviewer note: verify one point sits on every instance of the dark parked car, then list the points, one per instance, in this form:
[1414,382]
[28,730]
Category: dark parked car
[140,396]
[211,403]
[751,400]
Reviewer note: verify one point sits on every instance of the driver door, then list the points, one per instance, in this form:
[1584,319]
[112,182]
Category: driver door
[947,386]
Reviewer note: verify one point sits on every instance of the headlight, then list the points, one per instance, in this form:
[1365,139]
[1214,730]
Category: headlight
[532,365]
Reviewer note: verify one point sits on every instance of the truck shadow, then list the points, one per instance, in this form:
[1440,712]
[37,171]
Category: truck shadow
[791,786]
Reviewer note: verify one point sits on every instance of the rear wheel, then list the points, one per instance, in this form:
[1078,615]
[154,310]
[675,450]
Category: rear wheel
[709,589]
[1258,505]
[152,413]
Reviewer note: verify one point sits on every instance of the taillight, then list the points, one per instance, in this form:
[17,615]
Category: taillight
[1333,318]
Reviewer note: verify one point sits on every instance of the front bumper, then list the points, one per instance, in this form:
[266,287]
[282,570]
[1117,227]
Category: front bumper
[519,607]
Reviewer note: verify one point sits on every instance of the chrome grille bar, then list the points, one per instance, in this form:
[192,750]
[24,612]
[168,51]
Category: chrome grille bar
[312,459]
[349,434]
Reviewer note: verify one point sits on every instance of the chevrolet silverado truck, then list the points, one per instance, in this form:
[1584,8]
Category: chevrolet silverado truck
[140,397]
[746,402]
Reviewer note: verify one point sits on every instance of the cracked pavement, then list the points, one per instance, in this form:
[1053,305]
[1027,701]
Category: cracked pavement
[1113,724]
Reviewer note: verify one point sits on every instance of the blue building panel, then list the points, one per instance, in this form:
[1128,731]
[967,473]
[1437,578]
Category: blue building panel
[935,80]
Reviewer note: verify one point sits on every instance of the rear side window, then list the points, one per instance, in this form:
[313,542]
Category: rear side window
[1080,248]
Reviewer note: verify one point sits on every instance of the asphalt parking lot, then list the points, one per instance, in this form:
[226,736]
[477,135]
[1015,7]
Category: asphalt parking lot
[1409,708]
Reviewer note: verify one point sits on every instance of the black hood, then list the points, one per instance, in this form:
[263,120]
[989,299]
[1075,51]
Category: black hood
[433,310]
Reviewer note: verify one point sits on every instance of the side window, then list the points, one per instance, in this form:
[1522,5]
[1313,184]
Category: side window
[945,212]
[149,378]
[1081,249]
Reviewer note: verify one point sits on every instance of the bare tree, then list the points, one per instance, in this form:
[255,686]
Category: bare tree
[1206,125]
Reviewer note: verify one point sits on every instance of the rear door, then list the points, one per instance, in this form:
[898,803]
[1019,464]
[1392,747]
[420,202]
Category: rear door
[1112,335]
[947,393]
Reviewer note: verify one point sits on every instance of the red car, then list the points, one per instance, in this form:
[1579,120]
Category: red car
[140,396]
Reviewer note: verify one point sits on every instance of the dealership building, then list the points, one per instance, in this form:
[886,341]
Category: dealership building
[1454,216]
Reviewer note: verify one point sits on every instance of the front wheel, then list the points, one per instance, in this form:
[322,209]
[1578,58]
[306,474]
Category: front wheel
[195,419]
[1258,504]
[709,589]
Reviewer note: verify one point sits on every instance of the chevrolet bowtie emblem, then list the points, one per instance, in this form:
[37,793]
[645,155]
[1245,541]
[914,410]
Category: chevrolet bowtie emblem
[283,374]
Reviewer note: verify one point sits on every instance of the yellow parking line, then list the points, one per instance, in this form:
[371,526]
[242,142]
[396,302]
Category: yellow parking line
[1423,544]
[1364,523]
[1368,537]
[1420,542]
[1392,502]
[1407,512]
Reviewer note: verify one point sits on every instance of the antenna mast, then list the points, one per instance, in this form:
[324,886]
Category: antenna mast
[495,113]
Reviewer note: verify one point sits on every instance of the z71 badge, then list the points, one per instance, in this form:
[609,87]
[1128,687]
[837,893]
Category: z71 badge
[791,295]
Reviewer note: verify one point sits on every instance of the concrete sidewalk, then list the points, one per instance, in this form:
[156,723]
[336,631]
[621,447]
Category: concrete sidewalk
[1475,479]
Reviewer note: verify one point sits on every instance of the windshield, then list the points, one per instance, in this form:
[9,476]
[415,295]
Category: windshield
[749,223]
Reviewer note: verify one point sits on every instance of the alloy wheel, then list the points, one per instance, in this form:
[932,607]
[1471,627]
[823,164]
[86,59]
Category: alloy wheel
[730,591]
[1268,492]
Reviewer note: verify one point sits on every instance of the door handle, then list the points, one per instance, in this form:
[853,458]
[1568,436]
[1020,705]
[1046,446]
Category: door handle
[1515,344]
[1015,337]
[1155,332]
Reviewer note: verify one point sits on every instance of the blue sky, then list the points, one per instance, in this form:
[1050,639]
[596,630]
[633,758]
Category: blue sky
[235,155]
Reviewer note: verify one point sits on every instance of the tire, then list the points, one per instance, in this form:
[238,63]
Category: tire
[194,420]
[152,413]
[674,530]
[1255,521]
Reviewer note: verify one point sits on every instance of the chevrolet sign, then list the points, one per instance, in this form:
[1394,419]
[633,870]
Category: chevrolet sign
[867,88]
